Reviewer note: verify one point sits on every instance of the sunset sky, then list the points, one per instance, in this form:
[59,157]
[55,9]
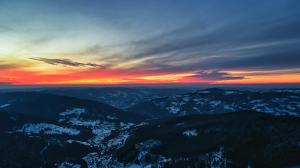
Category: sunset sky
[149,42]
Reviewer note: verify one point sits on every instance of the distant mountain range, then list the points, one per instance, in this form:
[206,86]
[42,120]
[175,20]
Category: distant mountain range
[119,97]
[212,101]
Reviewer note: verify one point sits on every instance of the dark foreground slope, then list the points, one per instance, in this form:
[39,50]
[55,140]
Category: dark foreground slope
[39,148]
[49,107]
[224,140]
[44,130]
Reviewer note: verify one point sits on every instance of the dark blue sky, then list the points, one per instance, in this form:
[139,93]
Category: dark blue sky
[210,39]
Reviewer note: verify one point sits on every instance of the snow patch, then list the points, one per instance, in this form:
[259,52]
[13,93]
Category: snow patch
[92,160]
[102,131]
[68,165]
[186,99]
[173,110]
[204,91]
[85,123]
[47,128]
[4,105]
[119,141]
[189,133]
[74,111]
[215,103]
[111,117]
[229,92]
[79,142]
[179,124]
[255,101]
[142,124]
[217,159]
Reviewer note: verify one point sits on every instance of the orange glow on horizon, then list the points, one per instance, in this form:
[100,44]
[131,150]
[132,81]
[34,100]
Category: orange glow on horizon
[23,76]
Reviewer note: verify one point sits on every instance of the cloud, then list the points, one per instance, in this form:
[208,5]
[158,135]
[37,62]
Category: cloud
[5,65]
[5,28]
[255,41]
[287,58]
[256,35]
[66,62]
[217,75]
[41,40]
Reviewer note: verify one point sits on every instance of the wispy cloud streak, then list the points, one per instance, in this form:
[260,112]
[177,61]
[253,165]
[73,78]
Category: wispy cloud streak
[66,62]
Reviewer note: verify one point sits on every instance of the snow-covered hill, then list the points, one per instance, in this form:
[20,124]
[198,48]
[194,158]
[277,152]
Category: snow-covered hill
[243,139]
[211,101]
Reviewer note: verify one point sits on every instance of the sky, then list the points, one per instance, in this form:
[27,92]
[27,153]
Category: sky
[149,42]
